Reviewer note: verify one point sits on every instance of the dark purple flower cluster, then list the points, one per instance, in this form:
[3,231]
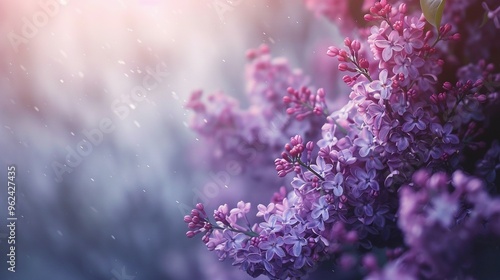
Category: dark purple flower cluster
[373,174]
[447,224]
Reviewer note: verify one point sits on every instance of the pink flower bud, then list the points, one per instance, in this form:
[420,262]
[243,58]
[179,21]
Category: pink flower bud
[363,63]
[347,42]
[447,86]
[347,79]
[343,67]
[356,45]
[403,8]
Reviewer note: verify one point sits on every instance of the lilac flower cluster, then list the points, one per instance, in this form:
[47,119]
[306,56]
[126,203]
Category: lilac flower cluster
[264,125]
[445,223]
[373,173]
[284,245]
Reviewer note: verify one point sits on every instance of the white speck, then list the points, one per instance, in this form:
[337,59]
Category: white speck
[139,41]
[36,109]
[143,190]
[205,120]
[59,232]
[80,74]
[137,123]
[121,62]
[174,95]
[130,29]
[63,2]
[185,124]
[112,236]
[147,165]
[125,74]
[92,179]
[62,81]
[22,67]
[132,106]
[72,133]
[271,40]
[197,139]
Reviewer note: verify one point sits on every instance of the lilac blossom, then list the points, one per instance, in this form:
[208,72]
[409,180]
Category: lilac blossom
[273,246]
[493,14]
[334,183]
[296,238]
[366,185]
[390,45]
[382,85]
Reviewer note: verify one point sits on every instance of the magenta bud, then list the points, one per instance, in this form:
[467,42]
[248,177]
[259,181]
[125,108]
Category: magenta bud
[343,67]
[194,212]
[447,86]
[187,219]
[356,45]
[402,8]
[347,79]
[363,63]
[321,93]
[199,206]
[347,42]
[190,234]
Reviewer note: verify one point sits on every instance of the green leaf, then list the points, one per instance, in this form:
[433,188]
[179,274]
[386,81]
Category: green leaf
[433,11]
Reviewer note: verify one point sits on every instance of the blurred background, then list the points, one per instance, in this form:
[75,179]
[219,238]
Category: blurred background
[91,114]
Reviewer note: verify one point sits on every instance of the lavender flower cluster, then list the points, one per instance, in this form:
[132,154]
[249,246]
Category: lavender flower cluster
[374,173]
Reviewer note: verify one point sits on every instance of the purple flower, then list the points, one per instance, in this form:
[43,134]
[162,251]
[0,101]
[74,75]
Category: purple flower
[233,241]
[329,138]
[407,66]
[272,246]
[263,210]
[493,14]
[382,85]
[242,209]
[401,140]
[442,210]
[320,209]
[366,179]
[334,182]
[296,238]
[321,167]
[412,39]
[392,44]
[445,133]
[415,119]
[345,157]
[364,142]
[273,224]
